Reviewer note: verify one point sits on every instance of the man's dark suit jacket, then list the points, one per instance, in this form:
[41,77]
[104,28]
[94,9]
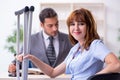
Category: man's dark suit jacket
[37,48]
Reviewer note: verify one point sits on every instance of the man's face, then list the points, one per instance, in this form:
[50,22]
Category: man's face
[50,26]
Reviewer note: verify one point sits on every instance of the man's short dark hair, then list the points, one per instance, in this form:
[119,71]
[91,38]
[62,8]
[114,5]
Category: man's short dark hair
[47,13]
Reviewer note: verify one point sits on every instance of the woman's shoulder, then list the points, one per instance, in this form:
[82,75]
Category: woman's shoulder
[96,41]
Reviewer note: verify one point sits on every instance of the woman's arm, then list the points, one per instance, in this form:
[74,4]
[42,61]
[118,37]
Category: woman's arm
[112,64]
[48,70]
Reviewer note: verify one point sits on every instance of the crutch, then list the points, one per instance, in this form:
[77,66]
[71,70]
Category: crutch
[26,42]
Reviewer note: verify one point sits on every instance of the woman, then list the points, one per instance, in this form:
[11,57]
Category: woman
[88,54]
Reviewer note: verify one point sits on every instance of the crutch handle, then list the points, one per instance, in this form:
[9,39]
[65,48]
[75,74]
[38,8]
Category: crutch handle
[31,8]
[26,9]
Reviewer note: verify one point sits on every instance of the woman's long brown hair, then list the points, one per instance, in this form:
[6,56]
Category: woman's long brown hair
[83,15]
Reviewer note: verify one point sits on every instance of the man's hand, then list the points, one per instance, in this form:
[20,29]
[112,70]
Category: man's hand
[12,68]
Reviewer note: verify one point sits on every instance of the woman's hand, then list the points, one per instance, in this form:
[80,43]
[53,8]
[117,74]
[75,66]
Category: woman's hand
[19,57]
[28,56]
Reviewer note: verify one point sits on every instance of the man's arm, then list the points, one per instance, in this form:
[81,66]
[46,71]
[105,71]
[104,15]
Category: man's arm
[12,68]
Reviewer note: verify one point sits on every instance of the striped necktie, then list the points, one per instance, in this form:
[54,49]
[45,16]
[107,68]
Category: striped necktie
[50,52]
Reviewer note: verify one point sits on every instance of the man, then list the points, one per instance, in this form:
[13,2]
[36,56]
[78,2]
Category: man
[40,41]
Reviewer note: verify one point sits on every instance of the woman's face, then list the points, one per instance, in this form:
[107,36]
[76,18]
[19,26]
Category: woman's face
[78,30]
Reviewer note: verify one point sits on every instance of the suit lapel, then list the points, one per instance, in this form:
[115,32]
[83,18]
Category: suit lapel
[61,47]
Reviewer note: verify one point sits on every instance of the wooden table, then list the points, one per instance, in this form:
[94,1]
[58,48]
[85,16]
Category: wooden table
[5,76]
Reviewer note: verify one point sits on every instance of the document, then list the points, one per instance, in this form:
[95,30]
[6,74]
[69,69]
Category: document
[35,71]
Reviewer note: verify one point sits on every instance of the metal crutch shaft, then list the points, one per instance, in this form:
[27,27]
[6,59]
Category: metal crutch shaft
[25,61]
[30,27]
[18,13]
[27,34]
[18,44]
